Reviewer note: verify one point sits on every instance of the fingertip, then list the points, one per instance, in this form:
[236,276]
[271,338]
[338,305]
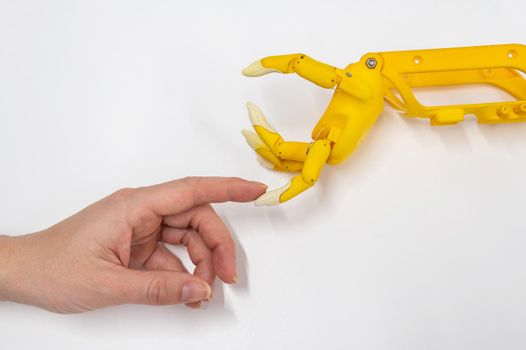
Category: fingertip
[227,275]
[261,186]
[229,280]
[195,290]
[241,190]
[226,272]
[196,305]
[256,189]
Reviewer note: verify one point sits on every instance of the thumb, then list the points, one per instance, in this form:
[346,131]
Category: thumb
[159,287]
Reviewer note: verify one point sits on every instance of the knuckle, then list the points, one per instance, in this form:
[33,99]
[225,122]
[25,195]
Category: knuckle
[157,291]
[123,193]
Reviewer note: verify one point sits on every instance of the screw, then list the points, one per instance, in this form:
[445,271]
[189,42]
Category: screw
[371,63]
[348,74]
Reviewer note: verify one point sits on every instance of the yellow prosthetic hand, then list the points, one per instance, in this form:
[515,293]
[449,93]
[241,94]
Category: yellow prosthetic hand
[359,93]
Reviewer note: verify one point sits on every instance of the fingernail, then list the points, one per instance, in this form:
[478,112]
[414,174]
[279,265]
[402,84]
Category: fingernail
[260,184]
[234,279]
[196,305]
[195,291]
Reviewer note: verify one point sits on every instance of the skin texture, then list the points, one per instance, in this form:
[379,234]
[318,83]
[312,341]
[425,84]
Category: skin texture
[113,252]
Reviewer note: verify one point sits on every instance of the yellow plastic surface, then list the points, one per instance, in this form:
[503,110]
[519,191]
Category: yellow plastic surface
[358,100]
[497,65]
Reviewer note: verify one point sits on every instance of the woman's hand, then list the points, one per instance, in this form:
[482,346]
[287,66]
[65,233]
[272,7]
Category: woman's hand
[113,252]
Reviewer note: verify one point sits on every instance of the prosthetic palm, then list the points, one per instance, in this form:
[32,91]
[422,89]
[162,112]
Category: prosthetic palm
[358,100]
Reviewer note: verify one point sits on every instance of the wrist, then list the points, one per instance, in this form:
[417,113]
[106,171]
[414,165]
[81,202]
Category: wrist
[6,252]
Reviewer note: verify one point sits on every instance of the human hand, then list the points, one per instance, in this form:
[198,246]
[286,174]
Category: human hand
[113,252]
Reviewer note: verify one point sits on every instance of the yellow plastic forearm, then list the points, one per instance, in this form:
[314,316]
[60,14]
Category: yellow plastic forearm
[496,65]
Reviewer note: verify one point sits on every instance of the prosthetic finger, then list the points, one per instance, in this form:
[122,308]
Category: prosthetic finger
[280,64]
[255,142]
[318,154]
[296,151]
[286,165]
[266,157]
[319,73]
[291,166]
[260,124]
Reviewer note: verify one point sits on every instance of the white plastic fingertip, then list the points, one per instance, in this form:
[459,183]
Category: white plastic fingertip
[257,118]
[272,197]
[256,69]
[253,140]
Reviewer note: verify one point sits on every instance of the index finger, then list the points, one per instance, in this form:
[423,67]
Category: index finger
[177,196]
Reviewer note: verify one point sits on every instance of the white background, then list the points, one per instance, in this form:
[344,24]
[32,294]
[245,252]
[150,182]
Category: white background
[416,242]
